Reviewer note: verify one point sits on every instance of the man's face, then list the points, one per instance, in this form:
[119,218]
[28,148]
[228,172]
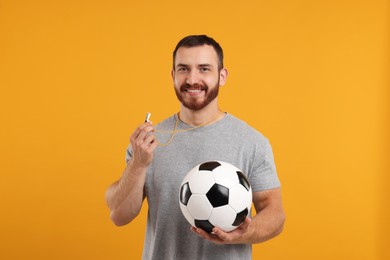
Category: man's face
[196,76]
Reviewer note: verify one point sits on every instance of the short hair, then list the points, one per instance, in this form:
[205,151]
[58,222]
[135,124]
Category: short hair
[199,40]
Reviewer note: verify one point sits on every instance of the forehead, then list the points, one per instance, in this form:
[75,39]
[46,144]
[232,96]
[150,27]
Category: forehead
[204,54]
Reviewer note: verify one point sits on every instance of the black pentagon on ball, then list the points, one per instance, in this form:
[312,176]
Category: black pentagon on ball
[240,217]
[204,224]
[218,195]
[185,193]
[209,166]
[243,180]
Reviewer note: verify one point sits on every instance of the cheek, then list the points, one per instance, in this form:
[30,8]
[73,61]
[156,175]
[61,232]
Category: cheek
[176,83]
[212,81]
[178,80]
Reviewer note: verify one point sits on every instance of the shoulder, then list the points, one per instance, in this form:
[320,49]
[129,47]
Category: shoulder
[243,129]
[166,123]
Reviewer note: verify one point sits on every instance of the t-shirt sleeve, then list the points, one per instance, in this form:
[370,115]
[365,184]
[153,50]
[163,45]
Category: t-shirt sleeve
[263,175]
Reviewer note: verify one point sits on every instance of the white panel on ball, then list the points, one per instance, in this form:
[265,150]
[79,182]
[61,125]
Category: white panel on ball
[199,207]
[226,175]
[187,214]
[201,182]
[223,217]
[240,198]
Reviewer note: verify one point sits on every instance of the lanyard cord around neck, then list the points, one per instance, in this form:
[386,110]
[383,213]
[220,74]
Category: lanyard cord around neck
[180,131]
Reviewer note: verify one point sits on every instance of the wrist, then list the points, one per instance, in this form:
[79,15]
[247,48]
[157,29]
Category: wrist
[249,237]
[136,168]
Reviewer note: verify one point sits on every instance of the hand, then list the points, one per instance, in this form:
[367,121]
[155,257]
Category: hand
[143,143]
[220,237]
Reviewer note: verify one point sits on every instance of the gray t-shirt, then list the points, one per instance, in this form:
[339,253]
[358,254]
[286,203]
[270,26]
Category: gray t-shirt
[168,234]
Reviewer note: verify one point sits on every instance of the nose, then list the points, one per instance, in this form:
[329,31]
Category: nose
[193,78]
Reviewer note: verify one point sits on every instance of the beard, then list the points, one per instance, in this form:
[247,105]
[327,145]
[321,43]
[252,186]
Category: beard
[193,103]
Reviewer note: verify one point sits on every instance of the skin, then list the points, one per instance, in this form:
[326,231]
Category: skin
[195,76]
[197,67]
[124,198]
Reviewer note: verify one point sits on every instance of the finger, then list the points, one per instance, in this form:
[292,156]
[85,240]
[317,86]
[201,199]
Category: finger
[230,237]
[149,138]
[210,237]
[200,232]
[138,131]
[144,133]
[244,225]
[246,222]
[223,236]
[153,145]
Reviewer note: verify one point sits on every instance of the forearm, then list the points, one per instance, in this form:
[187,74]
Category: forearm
[265,225]
[125,197]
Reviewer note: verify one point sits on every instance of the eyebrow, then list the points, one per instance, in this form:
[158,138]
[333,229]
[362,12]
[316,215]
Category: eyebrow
[200,65]
[181,65]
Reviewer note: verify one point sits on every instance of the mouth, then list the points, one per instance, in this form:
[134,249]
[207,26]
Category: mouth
[193,90]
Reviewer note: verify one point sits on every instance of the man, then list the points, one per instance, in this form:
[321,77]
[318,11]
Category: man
[158,159]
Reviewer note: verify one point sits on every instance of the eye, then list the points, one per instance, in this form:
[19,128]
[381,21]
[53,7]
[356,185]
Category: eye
[182,69]
[204,69]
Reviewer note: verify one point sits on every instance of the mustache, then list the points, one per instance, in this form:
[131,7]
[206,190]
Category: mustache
[186,86]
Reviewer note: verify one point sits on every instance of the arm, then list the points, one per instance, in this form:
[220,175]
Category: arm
[269,219]
[124,198]
[266,224]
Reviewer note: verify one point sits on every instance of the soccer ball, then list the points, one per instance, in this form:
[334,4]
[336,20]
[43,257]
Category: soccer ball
[215,194]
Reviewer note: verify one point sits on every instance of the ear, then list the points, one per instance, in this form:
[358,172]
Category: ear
[173,74]
[223,74]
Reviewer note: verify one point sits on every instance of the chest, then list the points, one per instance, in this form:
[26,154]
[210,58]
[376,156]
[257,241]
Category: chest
[172,163]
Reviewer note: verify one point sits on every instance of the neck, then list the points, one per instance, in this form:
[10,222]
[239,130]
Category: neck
[210,113]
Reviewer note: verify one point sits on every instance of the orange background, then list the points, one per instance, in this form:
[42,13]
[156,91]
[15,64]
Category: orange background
[77,77]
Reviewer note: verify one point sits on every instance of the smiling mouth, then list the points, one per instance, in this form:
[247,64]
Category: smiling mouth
[194,90]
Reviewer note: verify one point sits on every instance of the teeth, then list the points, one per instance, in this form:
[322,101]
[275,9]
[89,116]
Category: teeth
[194,90]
